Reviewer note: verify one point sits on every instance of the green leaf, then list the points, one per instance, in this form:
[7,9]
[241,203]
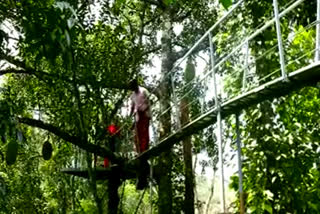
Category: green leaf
[226,3]
[268,208]
[71,22]
[189,73]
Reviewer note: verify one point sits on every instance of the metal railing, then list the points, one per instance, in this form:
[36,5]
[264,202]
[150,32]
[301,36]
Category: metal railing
[238,70]
[233,67]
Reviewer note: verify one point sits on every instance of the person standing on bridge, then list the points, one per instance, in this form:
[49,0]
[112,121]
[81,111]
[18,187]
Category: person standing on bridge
[141,109]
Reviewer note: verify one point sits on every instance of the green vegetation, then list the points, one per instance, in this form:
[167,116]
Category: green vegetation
[65,70]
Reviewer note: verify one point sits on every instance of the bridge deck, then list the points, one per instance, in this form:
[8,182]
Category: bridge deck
[306,76]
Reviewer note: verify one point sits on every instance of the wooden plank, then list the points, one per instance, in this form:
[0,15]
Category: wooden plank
[305,76]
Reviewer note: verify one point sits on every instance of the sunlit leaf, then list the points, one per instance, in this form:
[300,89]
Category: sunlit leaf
[226,3]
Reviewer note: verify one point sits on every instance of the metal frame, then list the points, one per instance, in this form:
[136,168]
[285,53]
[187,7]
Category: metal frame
[207,33]
[279,38]
[317,55]
[260,30]
[242,208]
[150,182]
[246,67]
[175,103]
[219,126]
[216,112]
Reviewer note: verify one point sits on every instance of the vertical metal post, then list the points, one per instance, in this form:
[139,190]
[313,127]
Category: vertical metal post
[245,72]
[317,56]
[279,37]
[239,165]
[151,166]
[175,102]
[150,182]
[219,126]
[203,98]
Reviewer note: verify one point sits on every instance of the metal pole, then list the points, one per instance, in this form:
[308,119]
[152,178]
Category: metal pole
[219,126]
[244,80]
[151,177]
[213,72]
[219,22]
[175,102]
[219,139]
[317,57]
[242,210]
[279,37]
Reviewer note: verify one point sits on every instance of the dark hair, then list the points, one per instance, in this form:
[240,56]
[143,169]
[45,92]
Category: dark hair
[133,84]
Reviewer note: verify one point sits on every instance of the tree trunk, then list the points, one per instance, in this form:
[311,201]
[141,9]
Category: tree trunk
[93,183]
[113,196]
[187,156]
[165,159]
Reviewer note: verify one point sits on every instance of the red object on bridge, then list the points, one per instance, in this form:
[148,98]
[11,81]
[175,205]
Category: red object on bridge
[106,162]
[112,129]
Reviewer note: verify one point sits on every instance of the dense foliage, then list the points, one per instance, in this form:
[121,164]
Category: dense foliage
[65,70]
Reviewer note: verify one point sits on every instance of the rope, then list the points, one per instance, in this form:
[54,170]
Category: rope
[140,201]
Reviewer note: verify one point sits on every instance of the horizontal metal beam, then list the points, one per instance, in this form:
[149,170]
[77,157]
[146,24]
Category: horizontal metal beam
[207,33]
[102,173]
[260,30]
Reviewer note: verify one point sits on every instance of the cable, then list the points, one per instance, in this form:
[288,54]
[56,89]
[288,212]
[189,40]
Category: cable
[224,59]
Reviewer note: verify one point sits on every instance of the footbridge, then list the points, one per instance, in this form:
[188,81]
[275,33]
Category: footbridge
[236,70]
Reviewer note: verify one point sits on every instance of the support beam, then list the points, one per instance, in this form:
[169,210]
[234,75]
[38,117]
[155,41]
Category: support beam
[219,126]
[279,37]
[317,56]
[102,173]
[246,67]
[219,140]
[242,207]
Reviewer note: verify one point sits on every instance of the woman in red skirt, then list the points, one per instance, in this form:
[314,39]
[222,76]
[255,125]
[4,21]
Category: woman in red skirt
[140,107]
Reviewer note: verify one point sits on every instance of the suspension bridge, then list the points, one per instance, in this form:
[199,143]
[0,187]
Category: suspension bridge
[298,66]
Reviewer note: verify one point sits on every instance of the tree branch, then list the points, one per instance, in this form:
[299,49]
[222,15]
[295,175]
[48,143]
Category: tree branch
[24,69]
[130,24]
[12,60]
[75,140]
[117,105]
[14,71]
[157,48]
[153,89]
[44,75]
[182,17]
[184,51]
[153,2]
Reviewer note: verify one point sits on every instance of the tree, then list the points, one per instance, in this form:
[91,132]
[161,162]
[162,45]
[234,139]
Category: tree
[76,90]
[78,69]
[143,19]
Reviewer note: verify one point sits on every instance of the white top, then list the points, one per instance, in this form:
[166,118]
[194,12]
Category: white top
[140,101]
